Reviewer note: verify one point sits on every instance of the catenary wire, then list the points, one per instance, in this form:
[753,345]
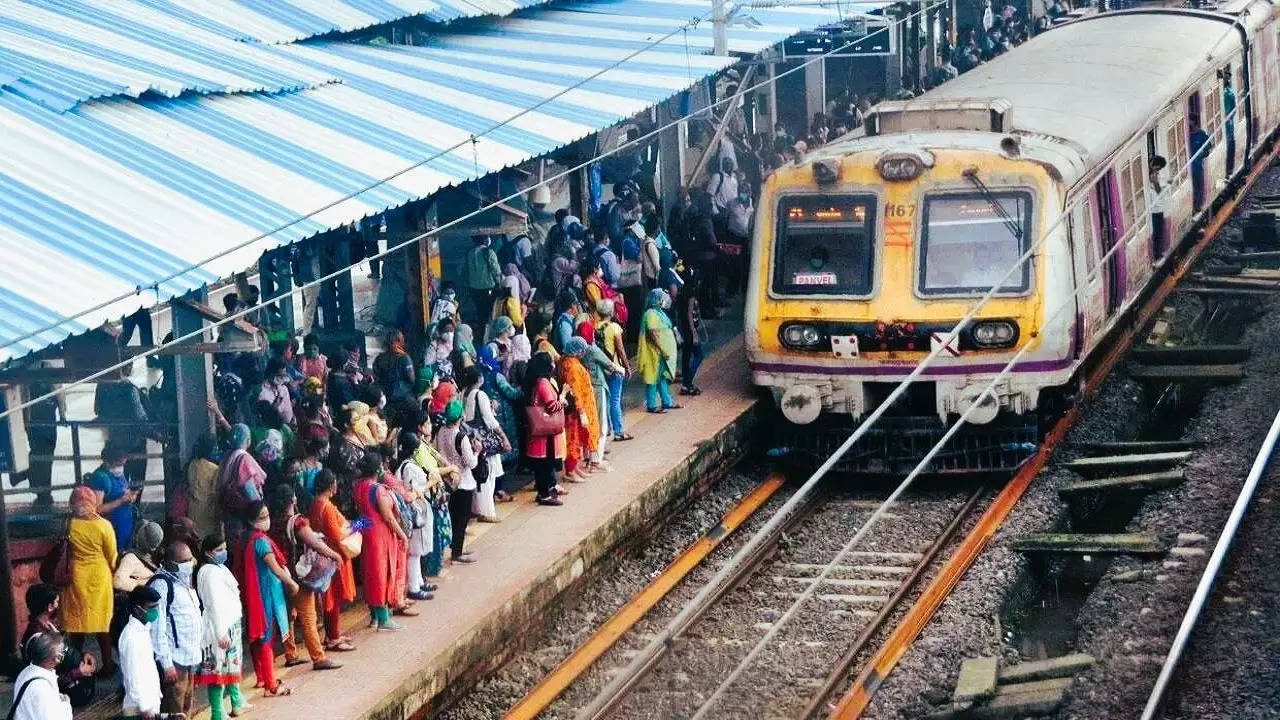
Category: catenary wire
[988,392]
[434,231]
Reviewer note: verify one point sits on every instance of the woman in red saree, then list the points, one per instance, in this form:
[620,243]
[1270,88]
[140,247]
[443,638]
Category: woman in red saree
[383,539]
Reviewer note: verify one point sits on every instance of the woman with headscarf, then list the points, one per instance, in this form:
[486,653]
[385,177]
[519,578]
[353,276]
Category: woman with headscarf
[656,356]
[393,369]
[424,384]
[509,302]
[382,538]
[500,334]
[544,453]
[506,398]
[464,348]
[242,482]
[137,565]
[460,451]
[87,603]
[582,419]
[222,660]
[440,397]
[264,582]
[439,353]
[358,423]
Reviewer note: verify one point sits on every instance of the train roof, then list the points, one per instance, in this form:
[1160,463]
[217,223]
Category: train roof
[1094,82]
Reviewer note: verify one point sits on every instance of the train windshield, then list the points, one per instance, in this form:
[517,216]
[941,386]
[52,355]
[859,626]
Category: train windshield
[969,242]
[824,245]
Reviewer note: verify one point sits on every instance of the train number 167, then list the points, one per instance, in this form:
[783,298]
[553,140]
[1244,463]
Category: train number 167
[900,211]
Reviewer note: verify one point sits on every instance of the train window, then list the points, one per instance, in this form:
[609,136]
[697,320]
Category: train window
[1132,201]
[970,241]
[824,245]
[1176,147]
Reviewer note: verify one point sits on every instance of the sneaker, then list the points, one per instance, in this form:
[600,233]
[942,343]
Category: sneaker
[465,559]
[326,664]
[421,595]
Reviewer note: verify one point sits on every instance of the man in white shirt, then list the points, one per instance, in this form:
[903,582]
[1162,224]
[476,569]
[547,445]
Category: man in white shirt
[137,656]
[36,695]
[177,637]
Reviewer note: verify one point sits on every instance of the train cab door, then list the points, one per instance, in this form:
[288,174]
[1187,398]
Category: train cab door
[1092,287]
[1105,212]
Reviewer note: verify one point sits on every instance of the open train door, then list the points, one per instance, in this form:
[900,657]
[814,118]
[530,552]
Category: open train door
[1109,231]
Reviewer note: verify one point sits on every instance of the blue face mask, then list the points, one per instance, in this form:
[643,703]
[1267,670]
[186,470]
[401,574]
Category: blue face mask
[219,557]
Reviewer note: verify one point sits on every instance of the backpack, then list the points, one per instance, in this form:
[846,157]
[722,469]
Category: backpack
[168,580]
[479,473]
[419,510]
[313,570]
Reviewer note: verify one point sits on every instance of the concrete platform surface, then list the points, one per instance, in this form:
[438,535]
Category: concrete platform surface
[527,560]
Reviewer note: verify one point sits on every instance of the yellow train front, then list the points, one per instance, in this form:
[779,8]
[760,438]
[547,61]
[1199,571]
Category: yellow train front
[869,251]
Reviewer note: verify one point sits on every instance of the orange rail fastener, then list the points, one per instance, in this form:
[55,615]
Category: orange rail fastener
[886,658]
[628,615]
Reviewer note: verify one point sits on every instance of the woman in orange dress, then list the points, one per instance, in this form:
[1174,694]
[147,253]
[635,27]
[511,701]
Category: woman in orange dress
[328,519]
[582,422]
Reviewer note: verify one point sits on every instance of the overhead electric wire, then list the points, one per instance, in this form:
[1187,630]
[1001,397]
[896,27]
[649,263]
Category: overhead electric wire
[988,392]
[639,140]
[471,139]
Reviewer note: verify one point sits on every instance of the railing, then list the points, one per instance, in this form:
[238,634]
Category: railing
[77,454]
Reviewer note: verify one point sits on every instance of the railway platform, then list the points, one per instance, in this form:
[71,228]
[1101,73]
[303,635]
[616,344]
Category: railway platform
[528,562]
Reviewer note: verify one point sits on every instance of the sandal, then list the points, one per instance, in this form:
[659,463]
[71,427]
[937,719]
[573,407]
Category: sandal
[624,436]
[658,411]
[405,611]
[340,646]
[280,690]
[677,406]
[237,712]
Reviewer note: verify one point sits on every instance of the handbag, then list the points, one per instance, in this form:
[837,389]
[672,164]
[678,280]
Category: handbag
[479,473]
[418,508]
[352,542]
[543,422]
[313,570]
[490,441]
[56,566]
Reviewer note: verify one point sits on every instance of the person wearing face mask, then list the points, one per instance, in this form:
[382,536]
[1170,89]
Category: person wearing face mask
[275,390]
[177,639]
[482,273]
[264,583]
[36,694]
[138,671]
[656,356]
[445,305]
[75,672]
[222,657]
[439,353]
[87,602]
[115,497]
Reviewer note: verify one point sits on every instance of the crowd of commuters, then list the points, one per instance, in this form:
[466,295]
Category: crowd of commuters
[332,471]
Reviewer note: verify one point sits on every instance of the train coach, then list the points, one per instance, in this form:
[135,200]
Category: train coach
[868,251]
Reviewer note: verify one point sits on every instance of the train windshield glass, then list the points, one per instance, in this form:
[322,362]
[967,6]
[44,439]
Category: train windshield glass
[970,241]
[824,245]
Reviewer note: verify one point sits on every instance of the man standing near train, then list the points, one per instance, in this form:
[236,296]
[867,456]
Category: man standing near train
[1199,145]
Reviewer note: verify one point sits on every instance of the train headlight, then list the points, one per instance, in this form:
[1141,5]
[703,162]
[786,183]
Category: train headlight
[799,336]
[995,333]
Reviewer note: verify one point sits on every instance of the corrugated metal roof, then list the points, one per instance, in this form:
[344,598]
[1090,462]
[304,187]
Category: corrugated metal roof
[114,194]
[286,21]
[63,52]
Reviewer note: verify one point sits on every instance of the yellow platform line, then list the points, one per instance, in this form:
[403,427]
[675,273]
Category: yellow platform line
[640,604]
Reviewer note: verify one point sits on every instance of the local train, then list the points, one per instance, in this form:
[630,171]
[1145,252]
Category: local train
[869,250]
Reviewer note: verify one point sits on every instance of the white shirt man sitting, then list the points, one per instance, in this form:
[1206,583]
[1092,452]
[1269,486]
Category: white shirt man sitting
[36,694]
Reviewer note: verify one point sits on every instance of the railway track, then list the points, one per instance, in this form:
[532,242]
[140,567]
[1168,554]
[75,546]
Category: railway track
[832,627]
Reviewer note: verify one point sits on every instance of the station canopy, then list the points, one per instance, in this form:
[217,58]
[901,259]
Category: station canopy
[145,144]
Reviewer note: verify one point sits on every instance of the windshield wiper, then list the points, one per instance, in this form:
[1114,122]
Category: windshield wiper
[1012,225]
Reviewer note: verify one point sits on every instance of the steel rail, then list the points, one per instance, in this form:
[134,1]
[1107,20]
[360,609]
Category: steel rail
[606,702]
[909,583]
[626,617]
[1260,463]
[887,657]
